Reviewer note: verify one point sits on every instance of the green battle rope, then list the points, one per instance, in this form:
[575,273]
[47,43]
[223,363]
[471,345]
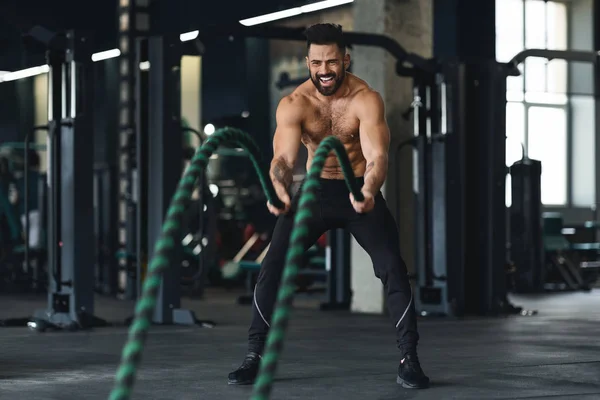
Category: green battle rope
[170,238]
[171,232]
[281,315]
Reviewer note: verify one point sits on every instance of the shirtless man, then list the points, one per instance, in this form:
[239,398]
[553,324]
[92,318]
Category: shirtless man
[335,102]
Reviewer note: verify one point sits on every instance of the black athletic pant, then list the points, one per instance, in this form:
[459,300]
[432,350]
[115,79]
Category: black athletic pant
[375,231]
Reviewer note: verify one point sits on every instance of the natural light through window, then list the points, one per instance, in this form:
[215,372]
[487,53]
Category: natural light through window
[536,112]
[547,128]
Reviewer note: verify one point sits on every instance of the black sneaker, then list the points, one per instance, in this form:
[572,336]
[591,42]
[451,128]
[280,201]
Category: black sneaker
[247,372]
[410,374]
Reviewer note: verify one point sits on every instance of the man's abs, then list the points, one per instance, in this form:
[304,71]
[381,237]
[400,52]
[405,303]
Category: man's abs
[332,168]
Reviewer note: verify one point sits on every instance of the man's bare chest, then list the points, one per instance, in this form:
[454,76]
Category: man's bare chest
[322,122]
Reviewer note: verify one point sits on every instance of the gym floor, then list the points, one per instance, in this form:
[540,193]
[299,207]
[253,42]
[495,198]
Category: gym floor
[328,355]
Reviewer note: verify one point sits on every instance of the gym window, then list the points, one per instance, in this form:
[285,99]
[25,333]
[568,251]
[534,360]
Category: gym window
[543,115]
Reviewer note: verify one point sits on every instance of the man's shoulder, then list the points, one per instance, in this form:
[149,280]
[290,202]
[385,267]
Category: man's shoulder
[295,98]
[298,99]
[362,92]
[293,106]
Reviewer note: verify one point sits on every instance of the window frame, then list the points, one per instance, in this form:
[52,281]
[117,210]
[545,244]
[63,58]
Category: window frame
[562,105]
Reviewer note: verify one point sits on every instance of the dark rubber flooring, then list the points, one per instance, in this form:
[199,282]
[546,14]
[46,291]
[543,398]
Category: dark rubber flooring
[329,355]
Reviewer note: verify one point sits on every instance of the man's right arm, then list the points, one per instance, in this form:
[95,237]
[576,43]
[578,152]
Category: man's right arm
[286,143]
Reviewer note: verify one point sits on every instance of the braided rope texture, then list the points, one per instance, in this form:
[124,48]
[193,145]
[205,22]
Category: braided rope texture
[170,237]
[308,199]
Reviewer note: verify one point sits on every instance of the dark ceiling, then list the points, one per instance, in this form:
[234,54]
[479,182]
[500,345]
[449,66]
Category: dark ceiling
[99,17]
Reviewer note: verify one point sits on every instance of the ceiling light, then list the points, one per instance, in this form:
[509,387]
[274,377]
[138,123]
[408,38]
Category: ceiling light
[292,12]
[184,37]
[24,73]
[105,55]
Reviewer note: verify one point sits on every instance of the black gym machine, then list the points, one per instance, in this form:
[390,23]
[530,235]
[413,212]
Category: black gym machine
[339,292]
[459,147]
[466,260]
[461,262]
[459,141]
[461,257]
[526,236]
[157,160]
[70,232]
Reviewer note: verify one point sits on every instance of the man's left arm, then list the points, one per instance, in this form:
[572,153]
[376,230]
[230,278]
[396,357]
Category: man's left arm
[374,140]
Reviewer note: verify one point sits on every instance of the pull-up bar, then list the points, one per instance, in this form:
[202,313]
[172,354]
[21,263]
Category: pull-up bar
[567,55]
[417,63]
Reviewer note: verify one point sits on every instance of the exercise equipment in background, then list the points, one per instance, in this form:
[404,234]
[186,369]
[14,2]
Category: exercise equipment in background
[315,269]
[544,258]
[22,212]
[70,180]
[251,269]
[526,249]
[232,269]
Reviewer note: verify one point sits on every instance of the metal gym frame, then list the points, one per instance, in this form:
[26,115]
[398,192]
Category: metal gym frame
[460,139]
[439,96]
[70,184]
[164,154]
[439,152]
[526,241]
[459,263]
[160,158]
[159,162]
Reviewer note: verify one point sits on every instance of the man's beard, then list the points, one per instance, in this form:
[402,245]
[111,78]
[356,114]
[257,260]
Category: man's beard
[328,91]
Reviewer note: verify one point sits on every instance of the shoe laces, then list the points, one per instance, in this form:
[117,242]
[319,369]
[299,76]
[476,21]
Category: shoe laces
[250,360]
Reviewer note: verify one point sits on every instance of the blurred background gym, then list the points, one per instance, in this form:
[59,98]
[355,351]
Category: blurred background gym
[492,180]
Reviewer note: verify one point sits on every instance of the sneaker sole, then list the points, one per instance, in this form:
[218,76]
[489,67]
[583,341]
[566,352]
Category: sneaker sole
[243,383]
[407,385]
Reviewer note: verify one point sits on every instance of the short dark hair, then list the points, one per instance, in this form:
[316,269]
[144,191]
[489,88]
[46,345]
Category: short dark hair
[325,34]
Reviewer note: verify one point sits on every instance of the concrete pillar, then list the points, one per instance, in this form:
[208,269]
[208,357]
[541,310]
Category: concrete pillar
[410,23]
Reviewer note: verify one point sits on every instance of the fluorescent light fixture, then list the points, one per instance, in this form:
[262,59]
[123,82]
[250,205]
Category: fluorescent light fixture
[145,65]
[42,69]
[321,5]
[292,12]
[184,37]
[24,73]
[105,55]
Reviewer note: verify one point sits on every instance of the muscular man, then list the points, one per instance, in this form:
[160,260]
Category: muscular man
[335,102]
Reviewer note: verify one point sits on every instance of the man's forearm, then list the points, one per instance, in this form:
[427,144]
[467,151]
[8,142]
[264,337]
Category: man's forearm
[281,172]
[375,174]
